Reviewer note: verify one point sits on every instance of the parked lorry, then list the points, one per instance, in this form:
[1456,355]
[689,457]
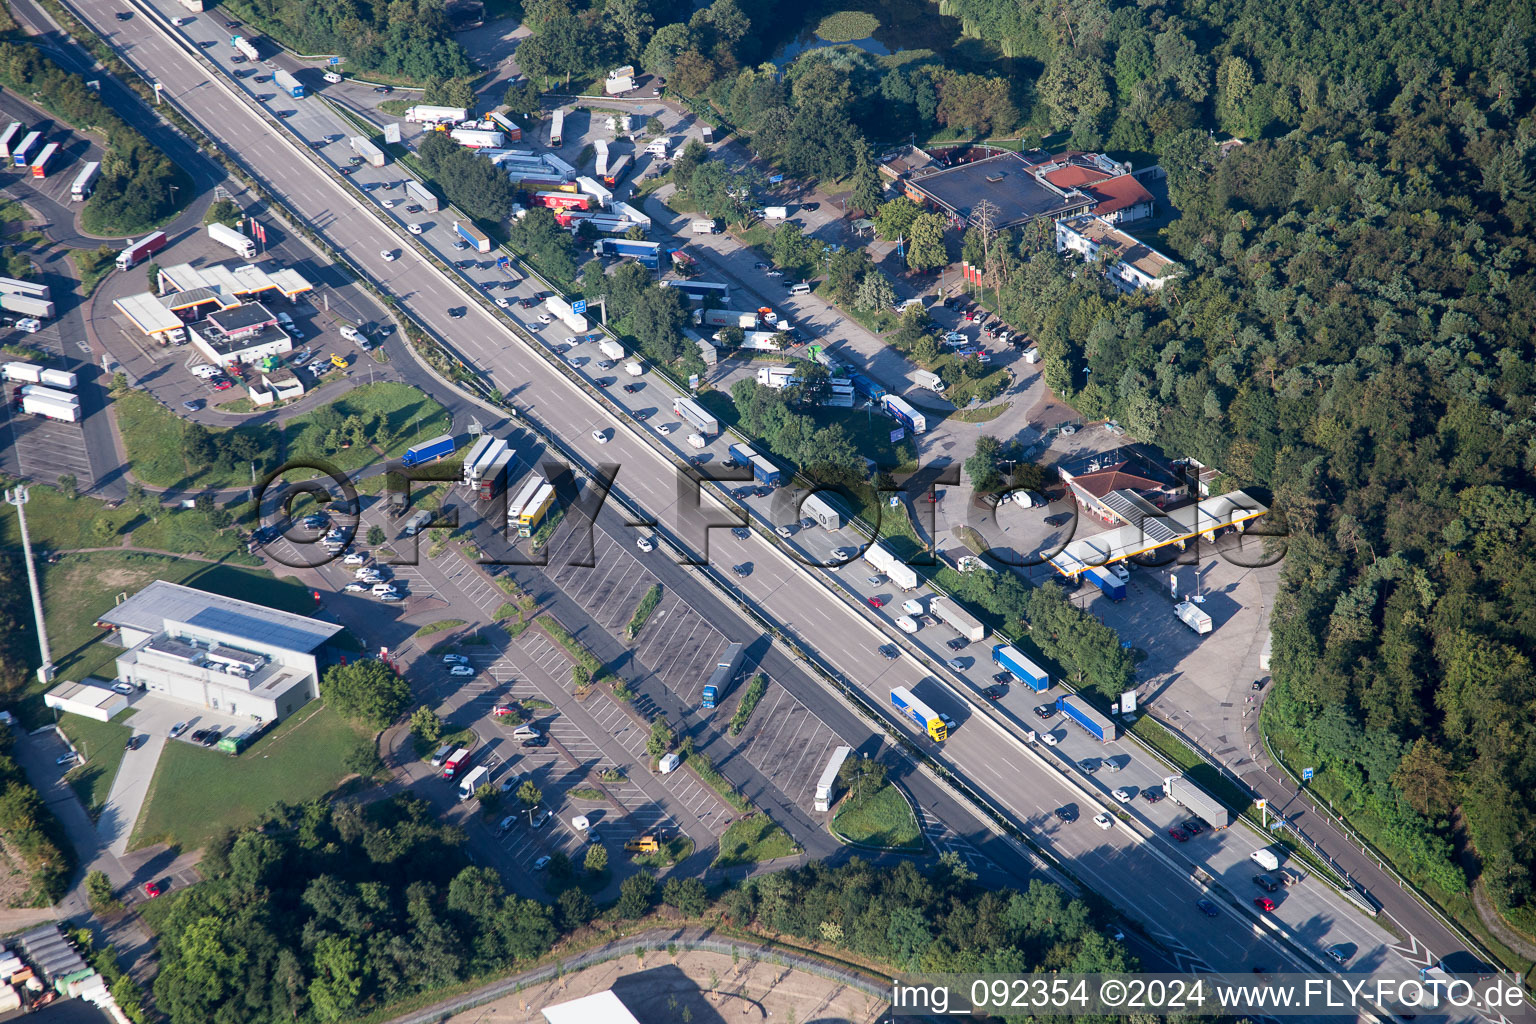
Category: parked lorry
[777,377]
[428,114]
[691,412]
[141,250]
[765,341]
[1105,578]
[475,138]
[562,309]
[21,154]
[13,133]
[1204,806]
[963,622]
[704,227]
[85,182]
[493,480]
[290,85]
[1021,668]
[429,451]
[481,454]
[617,168]
[828,781]
[43,159]
[30,305]
[371,154]
[881,559]
[649,254]
[593,188]
[17,286]
[724,318]
[560,200]
[474,236]
[920,713]
[611,349]
[246,47]
[31,373]
[904,414]
[46,402]
[457,762]
[822,508]
[229,237]
[423,195]
[1096,725]
[1193,616]
[723,676]
[618,86]
[924,379]
[556,129]
[472,781]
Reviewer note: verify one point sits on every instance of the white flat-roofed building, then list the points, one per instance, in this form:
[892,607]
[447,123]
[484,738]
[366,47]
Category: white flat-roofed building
[598,1008]
[209,651]
[93,698]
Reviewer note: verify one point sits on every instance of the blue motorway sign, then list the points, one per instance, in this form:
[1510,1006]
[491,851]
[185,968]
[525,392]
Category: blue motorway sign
[579,306]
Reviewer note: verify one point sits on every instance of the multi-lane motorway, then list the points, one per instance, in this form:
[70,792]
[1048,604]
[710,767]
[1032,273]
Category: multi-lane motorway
[1144,873]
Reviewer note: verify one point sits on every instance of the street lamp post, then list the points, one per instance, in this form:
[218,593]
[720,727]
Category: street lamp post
[17,496]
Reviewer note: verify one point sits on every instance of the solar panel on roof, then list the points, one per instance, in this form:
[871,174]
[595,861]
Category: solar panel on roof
[286,637]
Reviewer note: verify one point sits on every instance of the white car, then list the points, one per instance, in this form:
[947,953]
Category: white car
[414,229]
[1123,795]
[600,436]
[665,428]
[1049,739]
[389,204]
[391,597]
[353,588]
[645,544]
[1104,821]
[545,318]
[461,670]
[386,255]
[455,659]
[955,338]
[503,303]
[355,558]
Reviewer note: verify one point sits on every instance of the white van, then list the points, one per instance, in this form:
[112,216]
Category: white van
[333,78]
[441,755]
[696,441]
[205,371]
[905,624]
[800,289]
[912,606]
[669,764]
[580,823]
[350,333]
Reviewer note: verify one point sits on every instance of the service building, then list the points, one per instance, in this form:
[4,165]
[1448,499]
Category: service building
[209,651]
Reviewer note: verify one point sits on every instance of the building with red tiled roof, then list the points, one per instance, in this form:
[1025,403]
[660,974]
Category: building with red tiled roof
[1108,483]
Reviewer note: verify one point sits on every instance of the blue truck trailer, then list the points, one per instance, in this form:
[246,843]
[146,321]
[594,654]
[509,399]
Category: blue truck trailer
[924,716]
[649,254]
[429,451]
[1095,724]
[1103,577]
[724,675]
[763,470]
[473,235]
[1021,668]
[866,387]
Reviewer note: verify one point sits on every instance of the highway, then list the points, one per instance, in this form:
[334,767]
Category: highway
[1149,879]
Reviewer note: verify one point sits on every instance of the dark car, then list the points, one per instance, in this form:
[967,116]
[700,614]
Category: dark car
[1178,834]
[642,415]
[525,303]
[1152,795]
[763,492]
[134,743]
[1193,827]
[743,570]
[212,738]
[806,523]
[245,72]
[348,170]
[741,533]
[286,114]
[1045,712]
[1266,883]
[1258,684]
[536,741]
[889,651]
[1066,814]
[1002,678]
[124,15]
[1089,765]
[413,208]
[606,382]
[1206,907]
[630,389]
[457,313]
[956,644]
[1059,519]
[810,207]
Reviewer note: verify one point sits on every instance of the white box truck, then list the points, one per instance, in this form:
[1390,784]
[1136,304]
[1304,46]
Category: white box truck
[924,379]
[1193,616]
[472,782]
[703,227]
[229,237]
[611,349]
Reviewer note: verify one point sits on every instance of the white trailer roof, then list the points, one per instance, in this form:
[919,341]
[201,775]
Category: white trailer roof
[834,765]
[598,1008]
[1151,533]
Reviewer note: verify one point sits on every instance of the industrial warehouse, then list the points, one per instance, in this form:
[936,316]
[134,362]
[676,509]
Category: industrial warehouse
[208,651]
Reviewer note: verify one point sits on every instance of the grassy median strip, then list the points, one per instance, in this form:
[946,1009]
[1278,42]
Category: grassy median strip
[712,778]
[439,626]
[672,851]
[575,648]
[643,610]
[749,701]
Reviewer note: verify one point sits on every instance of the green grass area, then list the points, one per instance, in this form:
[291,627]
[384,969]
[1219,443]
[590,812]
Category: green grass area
[409,417]
[562,636]
[53,522]
[983,414]
[195,792]
[188,531]
[673,851]
[102,745]
[586,793]
[882,819]
[80,587]
[93,265]
[752,841]
[439,626]
[643,611]
[152,441]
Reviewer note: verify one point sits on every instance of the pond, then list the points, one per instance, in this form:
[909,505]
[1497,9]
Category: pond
[898,25]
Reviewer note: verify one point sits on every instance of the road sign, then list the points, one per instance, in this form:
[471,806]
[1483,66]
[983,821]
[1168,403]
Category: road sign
[1279,823]
[895,501]
[1261,803]
[693,382]
[1306,774]
[579,306]
[334,61]
[775,179]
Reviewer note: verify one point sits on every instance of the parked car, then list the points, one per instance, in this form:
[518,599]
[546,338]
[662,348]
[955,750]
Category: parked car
[1178,835]
[178,729]
[462,670]
[152,889]
[123,688]
[1264,903]
[1044,712]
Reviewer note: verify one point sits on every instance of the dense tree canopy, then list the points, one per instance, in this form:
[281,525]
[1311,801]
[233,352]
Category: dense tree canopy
[410,38]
